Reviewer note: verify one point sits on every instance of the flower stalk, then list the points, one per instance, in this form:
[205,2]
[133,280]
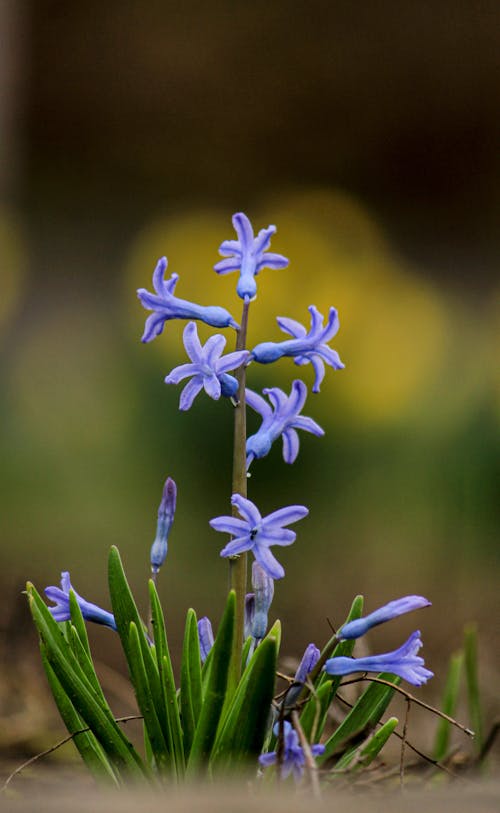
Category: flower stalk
[238,564]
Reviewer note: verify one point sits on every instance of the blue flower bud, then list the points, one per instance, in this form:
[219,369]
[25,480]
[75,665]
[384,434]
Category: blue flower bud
[166,513]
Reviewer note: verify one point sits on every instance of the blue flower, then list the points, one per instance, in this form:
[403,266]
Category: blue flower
[166,306]
[282,419]
[249,615]
[61,611]
[263,586]
[293,754]
[206,637]
[304,347]
[208,369]
[248,255]
[257,533]
[403,662]
[166,512]
[358,627]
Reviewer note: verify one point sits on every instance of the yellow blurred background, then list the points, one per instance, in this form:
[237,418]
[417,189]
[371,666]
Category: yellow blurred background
[367,136]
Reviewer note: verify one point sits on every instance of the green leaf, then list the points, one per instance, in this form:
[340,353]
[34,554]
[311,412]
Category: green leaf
[358,758]
[88,746]
[145,700]
[448,706]
[191,694]
[472,682]
[166,673]
[78,622]
[366,712]
[213,700]
[80,691]
[125,612]
[243,728]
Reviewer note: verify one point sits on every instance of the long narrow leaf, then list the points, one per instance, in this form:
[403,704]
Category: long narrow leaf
[215,692]
[88,746]
[367,711]
[191,693]
[471,677]
[448,706]
[145,701]
[243,728]
[166,674]
[80,692]
[363,755]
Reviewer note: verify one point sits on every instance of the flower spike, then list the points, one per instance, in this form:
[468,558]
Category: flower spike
[282,418]
[306,346]
[208,368]
[257,533]
[166,306]
[61,610]
[248,255]
[403,662]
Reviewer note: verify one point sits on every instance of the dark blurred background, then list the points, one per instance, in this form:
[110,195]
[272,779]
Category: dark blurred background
[369,134]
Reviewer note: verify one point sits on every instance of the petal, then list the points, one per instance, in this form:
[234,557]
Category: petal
[212,386]
[290,445]
[181,372]
[292,327]
[332,326]
[159,275]
[56,595]
[297,398]
[277,536]
[330,356]
[227,266]
[153,326]
[316,320]
[308,425]
[213,349]
[284,516]
[192,343]
[229,525]
[243,229]
[231,361]
[268,759]
[270,260]
[266,560]
[247,509]
[190,392]
[263,240]
[65,581]
[228,247]
[240,545]
[277,397]
[319,371]
[257,403]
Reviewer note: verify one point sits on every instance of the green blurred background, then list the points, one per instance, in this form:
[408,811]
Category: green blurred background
[368,134]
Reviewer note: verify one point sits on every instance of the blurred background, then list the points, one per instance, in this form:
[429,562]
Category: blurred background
[368,133]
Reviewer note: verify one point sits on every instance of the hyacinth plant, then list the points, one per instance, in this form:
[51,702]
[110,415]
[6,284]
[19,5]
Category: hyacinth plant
[225,711]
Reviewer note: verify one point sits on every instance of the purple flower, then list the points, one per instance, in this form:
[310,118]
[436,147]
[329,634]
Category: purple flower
[309,660]
[281,419]
[166,513]
[248,255]
[207,368]
[358,627]
[293,754]
[403,662]
[257,533]
[263,586]
[304,347]
[205,636]
[307,664]
[249,615]
[166,306]
[61,611]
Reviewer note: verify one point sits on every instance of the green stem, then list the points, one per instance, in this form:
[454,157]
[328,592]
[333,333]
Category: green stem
[238,565]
